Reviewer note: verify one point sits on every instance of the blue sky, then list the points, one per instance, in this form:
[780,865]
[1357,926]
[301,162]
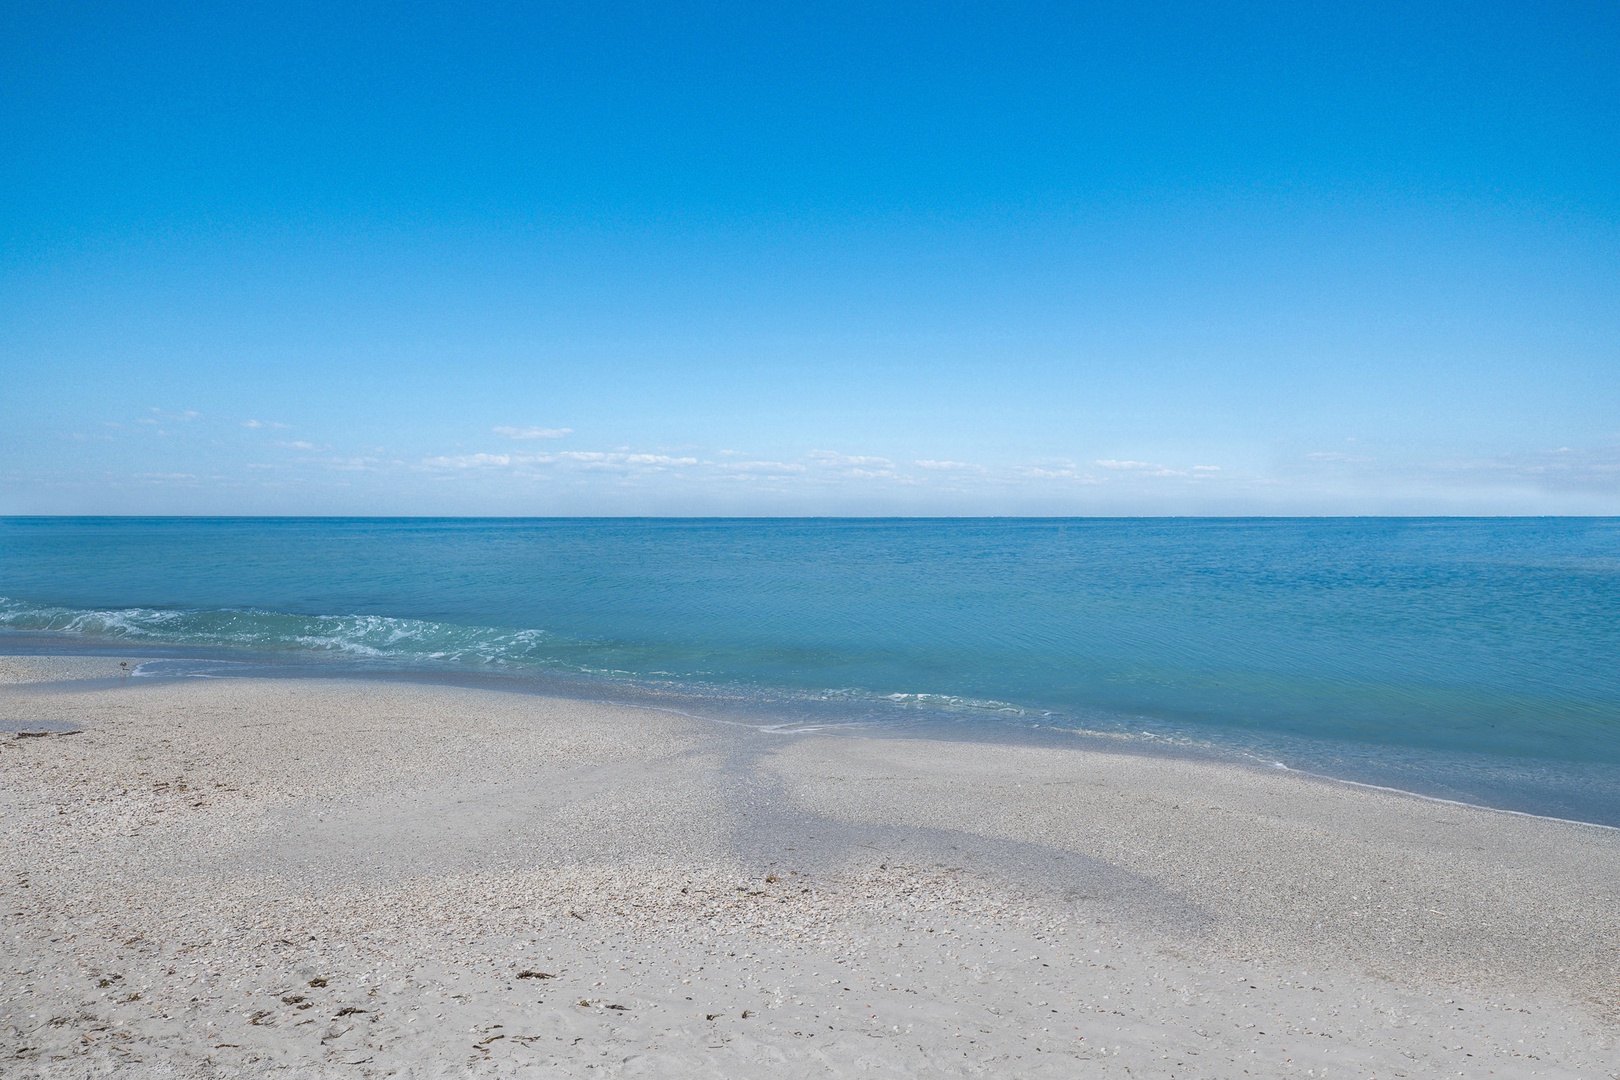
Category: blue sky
[692,259]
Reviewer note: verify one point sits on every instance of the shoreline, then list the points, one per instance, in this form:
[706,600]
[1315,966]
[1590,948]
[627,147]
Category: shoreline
[210,848]
[685,701]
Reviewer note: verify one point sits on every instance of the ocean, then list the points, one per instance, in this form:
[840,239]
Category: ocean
[1469,659]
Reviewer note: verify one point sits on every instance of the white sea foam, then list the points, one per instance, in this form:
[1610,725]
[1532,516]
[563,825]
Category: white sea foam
[377,637]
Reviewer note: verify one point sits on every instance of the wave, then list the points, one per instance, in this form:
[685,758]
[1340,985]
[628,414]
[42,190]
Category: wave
[372,637]
[423,644]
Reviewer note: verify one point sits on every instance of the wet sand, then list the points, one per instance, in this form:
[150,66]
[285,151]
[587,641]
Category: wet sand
[331,878]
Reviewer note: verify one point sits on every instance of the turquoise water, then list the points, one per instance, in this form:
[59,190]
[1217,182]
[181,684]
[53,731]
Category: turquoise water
[1475,659]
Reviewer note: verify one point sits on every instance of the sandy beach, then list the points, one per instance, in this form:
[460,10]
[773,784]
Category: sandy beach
[317,878]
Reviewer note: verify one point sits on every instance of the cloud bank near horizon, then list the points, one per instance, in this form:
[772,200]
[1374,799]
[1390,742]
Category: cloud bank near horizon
[206,469]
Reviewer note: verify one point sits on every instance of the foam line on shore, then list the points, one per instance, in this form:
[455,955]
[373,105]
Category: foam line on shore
[1441,799]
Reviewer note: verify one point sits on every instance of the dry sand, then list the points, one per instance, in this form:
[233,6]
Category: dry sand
[318,878]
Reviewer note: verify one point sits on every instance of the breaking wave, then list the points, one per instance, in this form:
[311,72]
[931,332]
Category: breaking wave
[373,637]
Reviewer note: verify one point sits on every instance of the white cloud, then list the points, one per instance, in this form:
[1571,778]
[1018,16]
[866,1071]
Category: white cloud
[1206,468]
[956,466]
[1057,470]
[619,459]
[659,459]
[833,457]
[532,432]
[355,464]
[1141,468]
[256,424]
[853,466]
[616,461]
[300,444]
[780,467]
[468,461]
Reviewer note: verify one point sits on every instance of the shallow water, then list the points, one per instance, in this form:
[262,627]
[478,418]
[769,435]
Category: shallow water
[1475,659]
